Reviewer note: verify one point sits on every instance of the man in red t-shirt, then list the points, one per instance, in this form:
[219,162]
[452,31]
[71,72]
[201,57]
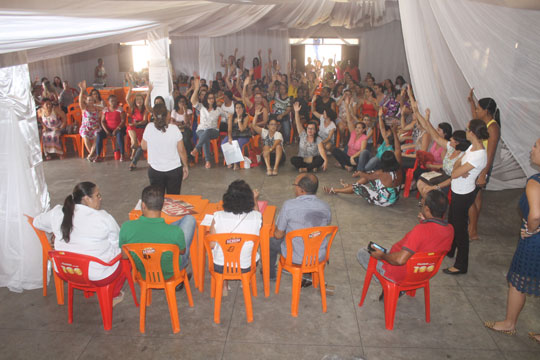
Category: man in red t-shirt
[432,234]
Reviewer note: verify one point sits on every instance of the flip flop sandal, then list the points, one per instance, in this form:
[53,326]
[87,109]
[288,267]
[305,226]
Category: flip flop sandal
[533,337]
[329,190]
[269,172]
[274,172]
[491,325]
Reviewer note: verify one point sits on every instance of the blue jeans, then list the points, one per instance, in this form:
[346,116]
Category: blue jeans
[187,224]
[286,129]
[204,141]
[363,257]
[366,162]
[119,140]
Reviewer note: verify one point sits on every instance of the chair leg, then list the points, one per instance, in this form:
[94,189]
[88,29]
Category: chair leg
[278,275]
[142,307]
[391,294]
[70,303]
[296,288]
[323,289]
[104,295]
[254,284]
[45,262]
[170,294]
[247,297]
[217,297]
[427,304]
[126,268]
[59,285]
[188,291]
[367,281]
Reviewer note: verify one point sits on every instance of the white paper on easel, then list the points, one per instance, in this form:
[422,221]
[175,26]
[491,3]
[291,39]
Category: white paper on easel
[232,152]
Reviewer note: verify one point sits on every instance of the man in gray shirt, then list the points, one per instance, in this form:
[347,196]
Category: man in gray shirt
[304,211]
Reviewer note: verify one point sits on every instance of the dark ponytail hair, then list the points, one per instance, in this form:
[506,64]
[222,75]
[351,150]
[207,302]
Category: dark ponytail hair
[490,106]
[85,188]
[479,129]
[160,117]
[461,138]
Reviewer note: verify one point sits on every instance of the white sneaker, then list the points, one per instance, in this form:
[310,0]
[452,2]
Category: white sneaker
[117,300]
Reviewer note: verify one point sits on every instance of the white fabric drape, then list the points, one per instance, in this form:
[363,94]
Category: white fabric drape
[77,67]
[382,52]
[449,50]
[22,186]
[185,54]
[159,70]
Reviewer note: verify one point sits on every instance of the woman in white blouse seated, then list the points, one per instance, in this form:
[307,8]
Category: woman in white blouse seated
[209,121]
[240,215]
[80,226]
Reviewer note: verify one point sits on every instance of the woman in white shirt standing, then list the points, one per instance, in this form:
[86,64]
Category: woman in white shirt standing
[209,117]
[464,190]
[80,226]
[167,158]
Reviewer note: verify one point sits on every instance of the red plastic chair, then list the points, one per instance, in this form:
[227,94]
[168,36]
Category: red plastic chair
[231,244]
[422,159]
[421,267]
[313,238]
[150,256]
[73,268]
[45,248]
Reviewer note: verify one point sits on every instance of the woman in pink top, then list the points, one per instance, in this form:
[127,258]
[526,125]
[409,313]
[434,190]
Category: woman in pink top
[357,142]
[113,123]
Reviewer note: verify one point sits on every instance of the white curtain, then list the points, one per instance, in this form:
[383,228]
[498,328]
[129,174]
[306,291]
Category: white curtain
[159,69]
[80,66]
[185,54]
[382,52]
[450,50]
[22,186]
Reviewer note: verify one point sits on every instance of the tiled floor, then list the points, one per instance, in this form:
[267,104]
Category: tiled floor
[34,327]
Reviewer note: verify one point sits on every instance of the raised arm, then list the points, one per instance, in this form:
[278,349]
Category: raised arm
[313,107]
[382,129]
[472,104]
[299,126]
[426,124]
[196,84]
[397,144]
[350,117]
[254,125]
[130,90]
[147,102]
[245,97]
[82,103]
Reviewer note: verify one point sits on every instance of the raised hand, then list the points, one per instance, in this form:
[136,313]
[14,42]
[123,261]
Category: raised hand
[470,98]
[381,111]
[428,112]
[259,52]
[297,106]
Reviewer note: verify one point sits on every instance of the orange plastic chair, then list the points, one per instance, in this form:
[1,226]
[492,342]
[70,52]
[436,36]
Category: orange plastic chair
[74,116]
[421,267]
[231,244]
[150,256]
[313,238]
[73,268]
[422,159]
[45,248]
[213,144]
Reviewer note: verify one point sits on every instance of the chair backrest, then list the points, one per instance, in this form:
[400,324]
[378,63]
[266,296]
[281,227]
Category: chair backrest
[424,157]
[231,244]
[313,238]
[73,106]
[41,235]
[150,256]
[422,266]
[73,267]
[74,116]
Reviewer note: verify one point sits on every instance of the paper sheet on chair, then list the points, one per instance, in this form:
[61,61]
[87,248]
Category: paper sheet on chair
[207,221]
[232,152]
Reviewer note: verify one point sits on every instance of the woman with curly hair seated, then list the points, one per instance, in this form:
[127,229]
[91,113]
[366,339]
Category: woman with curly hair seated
[240,215]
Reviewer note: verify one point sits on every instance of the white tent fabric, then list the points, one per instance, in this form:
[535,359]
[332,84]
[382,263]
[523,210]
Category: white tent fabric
[22,184]
[449,50]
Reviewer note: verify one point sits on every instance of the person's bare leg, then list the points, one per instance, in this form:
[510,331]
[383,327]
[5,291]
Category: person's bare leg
[421,186]
[514,305]
[134,142]
[279,154]
[266,157]
[474,214]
